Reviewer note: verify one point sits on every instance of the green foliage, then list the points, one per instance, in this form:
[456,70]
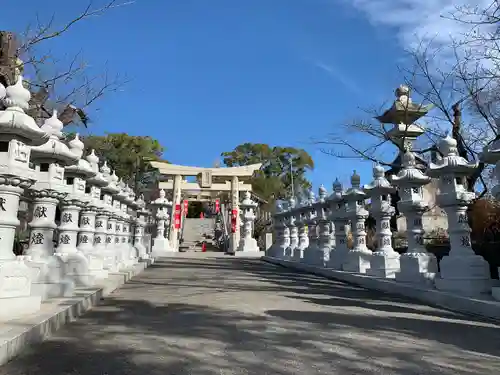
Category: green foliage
[128,155]
[274,180]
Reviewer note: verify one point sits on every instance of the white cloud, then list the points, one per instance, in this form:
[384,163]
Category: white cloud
[418,20]
[339,76]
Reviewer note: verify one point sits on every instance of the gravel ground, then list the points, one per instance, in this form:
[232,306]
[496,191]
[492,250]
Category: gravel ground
[238,316]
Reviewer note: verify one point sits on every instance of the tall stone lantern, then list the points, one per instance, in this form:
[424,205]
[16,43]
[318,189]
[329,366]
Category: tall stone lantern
[416,264]
[402,115]
[358,258]
[106,221]
[310,219]
[49,161]
[341,227]
[18,131]
[161,245]
[248,244]
[323,224]
[93,221]
[291,219]
[77,264]
[385,261]
[462,271]
[300,221]
[140,225]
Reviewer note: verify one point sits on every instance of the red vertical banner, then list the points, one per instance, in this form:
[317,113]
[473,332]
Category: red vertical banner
[234,220]
[185,207]
[177,216]
[217,206]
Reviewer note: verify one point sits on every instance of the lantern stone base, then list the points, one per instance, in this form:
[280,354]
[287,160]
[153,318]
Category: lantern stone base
[162,248]
[77,268]
[249,245]
[464,274]
[110,261]
[49,278]
[298,254]
[337,259]
[289,252]
[357,261]
[15,294]
[384,265]
[315,257]
[141,251]
[417,268]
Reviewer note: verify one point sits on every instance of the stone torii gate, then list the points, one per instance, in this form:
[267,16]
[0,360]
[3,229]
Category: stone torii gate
[212,180]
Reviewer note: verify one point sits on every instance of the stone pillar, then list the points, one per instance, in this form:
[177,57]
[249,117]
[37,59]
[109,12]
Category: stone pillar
[417,266]
[52,280]
[298,254]
[320,254]
[162,245]
[292,228]
[248,244]
[77,265]
[462,271]
[88,243]
[176,200]
[384,261]
[15,175]
[358,258]
[310,220]
[235,237]
[140,224]
[277,231]
[341,227]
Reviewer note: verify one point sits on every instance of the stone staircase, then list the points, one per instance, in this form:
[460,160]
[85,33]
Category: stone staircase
[195,232]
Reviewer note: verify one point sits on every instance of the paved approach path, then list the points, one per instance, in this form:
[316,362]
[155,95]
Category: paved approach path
[237,316]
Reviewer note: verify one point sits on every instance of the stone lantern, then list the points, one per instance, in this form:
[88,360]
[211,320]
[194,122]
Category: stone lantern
[49,161]
[311,221]
[417,265]
[117,217]
[323,224]
[161,245]
[462,271]
[385,261]
[293,241]
[77,264]
[282,231]
[402,115]
[341,227]
[131,217]
[140,224]
[358,258]
[122,201]
[106,221]
[18,132]
[248,244]
[300,222]
[93,221]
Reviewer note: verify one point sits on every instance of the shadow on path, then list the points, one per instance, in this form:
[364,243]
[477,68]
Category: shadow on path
[236,316]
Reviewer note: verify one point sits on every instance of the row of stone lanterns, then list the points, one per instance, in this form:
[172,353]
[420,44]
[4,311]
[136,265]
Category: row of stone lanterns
[461,271]
[95,234]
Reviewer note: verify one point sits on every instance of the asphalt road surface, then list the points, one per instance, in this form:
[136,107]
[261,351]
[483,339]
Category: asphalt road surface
[236,316]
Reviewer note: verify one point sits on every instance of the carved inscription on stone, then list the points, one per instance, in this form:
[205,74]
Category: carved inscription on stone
[64,239]
[67,217]
[40,211]
[37,238]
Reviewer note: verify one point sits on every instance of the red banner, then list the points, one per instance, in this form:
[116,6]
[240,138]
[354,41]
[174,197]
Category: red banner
[234,220]
[217,206]
[185,207]
[177,216]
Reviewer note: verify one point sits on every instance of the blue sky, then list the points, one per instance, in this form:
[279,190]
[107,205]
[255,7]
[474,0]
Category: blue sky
[209,75]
